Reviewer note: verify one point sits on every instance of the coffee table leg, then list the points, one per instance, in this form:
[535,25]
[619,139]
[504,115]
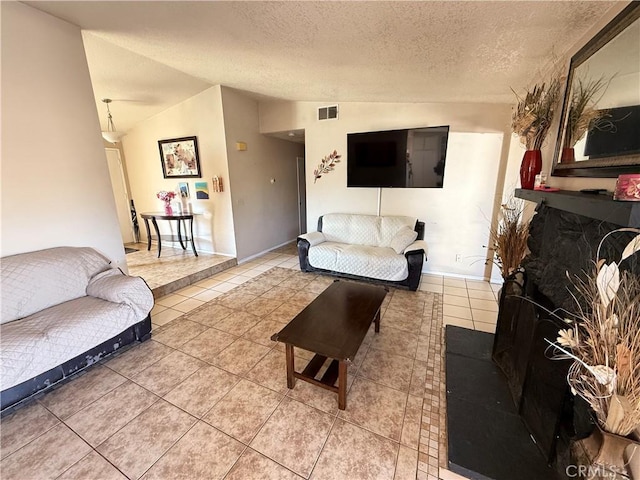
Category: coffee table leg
[290,366]
[342,385]
[377,320]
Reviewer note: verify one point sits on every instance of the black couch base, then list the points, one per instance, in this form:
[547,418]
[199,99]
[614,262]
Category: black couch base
[11,397]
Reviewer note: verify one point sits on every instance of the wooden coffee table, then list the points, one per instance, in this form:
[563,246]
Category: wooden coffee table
[332,326]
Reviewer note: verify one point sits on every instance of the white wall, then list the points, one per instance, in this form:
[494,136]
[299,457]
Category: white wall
[55,182]
[265,214]
[457,217]
[199,116]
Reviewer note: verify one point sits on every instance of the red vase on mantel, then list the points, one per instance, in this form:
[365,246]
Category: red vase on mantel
[530,167]
[568,155]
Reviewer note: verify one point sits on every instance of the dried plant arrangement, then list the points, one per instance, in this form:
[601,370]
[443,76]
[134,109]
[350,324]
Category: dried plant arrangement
[534,112]
[327,164]
[582,114]
[603,340]
[509,238]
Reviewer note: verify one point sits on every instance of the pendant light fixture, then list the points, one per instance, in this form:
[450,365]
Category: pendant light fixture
[111,135]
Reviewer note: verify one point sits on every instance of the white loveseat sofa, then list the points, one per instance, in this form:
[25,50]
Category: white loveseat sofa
[385,249]
[63,309]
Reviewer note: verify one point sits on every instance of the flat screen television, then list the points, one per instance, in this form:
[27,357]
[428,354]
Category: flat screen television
[617,132]
[408,158]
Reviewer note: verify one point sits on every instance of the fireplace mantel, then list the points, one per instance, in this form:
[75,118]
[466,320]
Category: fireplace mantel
[597,206]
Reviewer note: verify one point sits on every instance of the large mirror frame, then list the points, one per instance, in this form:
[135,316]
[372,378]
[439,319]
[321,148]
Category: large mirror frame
[609,166]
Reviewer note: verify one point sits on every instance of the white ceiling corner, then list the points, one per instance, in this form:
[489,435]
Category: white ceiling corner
[148,56]
[139,87]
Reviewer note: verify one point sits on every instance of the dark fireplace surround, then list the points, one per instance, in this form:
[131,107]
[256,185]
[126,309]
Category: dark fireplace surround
[564,237]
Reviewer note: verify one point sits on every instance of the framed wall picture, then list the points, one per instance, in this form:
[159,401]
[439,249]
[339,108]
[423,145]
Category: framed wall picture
[179,157]
[184,189]
[202,190]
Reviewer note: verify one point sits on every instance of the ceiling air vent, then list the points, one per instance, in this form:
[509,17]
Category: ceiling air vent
[328,113]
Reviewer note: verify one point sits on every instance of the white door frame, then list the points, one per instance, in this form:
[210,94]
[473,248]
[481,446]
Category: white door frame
[302,195]
[122,178]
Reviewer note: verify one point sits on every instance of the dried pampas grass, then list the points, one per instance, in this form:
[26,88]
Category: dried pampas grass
[532,117]
[509,238]
[603,339]
[581,115]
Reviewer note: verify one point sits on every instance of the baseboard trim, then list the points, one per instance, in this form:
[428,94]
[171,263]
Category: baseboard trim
[458,275]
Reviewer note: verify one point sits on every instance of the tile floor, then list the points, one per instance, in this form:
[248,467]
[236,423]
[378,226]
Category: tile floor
[207,396]
[167,273]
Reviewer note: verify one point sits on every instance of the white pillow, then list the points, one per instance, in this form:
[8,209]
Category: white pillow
[405,237]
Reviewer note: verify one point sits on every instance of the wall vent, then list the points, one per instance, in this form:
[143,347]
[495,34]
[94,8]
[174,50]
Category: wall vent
[328,113]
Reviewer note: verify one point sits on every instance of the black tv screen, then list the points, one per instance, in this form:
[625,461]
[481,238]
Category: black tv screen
[408,158]
[376,154]
[617,132]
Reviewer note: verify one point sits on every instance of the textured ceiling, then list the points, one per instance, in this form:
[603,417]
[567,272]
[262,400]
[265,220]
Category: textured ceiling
[155,54]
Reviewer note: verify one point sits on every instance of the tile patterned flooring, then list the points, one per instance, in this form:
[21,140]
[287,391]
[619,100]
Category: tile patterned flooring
[206,397]
[166,274]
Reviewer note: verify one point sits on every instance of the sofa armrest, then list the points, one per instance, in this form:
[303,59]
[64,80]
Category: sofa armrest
[415,255]
[416,247]
[303,254]
[314,238]
[114,286]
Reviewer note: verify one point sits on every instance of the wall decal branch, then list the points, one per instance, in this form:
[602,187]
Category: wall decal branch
[326,165]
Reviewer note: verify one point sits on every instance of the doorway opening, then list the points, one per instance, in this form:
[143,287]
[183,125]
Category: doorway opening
[120,195]
[302,196]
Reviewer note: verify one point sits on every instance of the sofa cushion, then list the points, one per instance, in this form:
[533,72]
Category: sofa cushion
[403,239]
[381,263]
[370,230]
[49,338]
[351,229]
[37,280]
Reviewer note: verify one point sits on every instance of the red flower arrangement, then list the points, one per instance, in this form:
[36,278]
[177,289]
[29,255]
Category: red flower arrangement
[166,196]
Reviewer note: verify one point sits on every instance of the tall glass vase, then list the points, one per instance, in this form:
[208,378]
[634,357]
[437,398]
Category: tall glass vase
[530,167]
[167,208]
